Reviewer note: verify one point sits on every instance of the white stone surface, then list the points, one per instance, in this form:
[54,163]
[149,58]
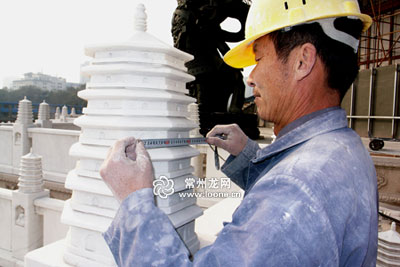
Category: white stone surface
[51,209]
[48,256]
[211,222]
[5,222]
[54,145]
[6,148]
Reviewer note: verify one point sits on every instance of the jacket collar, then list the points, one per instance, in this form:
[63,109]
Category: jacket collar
[326,122]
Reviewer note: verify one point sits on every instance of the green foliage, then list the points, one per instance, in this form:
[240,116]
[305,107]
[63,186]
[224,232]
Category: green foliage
[36,95]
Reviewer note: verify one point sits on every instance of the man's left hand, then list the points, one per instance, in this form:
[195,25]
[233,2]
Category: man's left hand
[127,168]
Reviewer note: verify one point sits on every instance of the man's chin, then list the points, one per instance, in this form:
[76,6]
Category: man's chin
[261,116]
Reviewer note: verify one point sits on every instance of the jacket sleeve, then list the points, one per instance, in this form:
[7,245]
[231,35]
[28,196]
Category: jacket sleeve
[236,168]
[279,223]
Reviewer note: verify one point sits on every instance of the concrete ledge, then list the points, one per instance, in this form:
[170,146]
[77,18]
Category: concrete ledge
[48,203]
[54,131]
[6,193]
[386,161]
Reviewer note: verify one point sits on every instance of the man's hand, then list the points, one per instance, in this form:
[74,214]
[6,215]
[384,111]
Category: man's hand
[234,142]
[127,168]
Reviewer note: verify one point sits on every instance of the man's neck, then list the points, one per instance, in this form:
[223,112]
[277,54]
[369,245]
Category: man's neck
[307,105]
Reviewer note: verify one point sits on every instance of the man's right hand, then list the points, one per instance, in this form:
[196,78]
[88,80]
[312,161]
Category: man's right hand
[234,142]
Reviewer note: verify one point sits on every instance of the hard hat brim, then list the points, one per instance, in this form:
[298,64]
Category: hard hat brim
[243,56]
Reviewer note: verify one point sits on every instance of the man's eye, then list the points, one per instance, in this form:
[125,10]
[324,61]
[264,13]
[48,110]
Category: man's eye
[258,59]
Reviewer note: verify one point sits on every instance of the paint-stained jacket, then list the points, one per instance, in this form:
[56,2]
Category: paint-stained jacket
[311,200]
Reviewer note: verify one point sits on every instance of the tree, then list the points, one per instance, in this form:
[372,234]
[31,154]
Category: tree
[37,95]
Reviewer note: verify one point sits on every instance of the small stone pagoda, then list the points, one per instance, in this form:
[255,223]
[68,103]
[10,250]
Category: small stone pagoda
[389,248]
[137,88]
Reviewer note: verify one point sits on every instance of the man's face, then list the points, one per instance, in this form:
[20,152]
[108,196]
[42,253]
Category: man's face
[271,79]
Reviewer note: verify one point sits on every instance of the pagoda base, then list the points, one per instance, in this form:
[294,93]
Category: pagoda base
[51,255]
[55,255]
[7,259]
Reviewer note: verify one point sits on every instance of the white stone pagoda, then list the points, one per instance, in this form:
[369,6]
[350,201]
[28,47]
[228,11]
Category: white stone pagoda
[137,88]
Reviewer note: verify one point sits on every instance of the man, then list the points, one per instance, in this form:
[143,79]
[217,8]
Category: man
[311,196]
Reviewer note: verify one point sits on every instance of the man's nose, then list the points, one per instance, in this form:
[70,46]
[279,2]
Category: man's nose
[250,81]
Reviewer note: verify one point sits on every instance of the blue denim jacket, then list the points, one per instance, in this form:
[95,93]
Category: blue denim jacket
[311,200]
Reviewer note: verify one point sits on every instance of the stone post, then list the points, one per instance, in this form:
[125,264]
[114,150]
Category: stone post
[27,226]
[73,112]
[64,114]
[57,114]
[44,115]
[21,141]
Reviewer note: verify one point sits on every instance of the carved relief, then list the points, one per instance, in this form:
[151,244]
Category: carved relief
[17,139]
[390,199]
[20,216]
[382,181]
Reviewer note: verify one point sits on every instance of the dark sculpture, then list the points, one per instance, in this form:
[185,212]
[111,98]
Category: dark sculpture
[196,30]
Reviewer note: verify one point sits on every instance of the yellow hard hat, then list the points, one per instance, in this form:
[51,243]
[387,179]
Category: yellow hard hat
[266,16]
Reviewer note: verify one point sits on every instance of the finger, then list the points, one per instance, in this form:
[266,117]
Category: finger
[119,147]
[131,151]
[216,141]
[218,130]
[143,157]
[141,150]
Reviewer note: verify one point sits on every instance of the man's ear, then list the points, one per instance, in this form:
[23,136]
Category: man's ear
[305,61]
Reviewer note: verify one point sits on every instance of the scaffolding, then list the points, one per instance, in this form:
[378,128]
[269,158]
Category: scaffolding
[380,45]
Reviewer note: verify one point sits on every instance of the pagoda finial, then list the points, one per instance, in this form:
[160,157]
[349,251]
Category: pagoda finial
[393,226]
[140,18]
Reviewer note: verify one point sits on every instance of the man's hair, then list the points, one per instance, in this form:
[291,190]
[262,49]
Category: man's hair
[341,65]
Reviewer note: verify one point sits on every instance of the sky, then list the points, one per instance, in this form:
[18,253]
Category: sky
[49,36]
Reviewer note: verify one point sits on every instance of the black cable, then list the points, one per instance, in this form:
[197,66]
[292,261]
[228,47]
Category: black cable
[218,154]
[389,217]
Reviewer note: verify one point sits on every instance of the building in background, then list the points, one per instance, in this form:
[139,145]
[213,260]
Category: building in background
[380,45]
[8,80]
[43,81]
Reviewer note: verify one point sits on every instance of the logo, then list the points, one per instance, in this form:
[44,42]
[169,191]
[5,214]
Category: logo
[163,187]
